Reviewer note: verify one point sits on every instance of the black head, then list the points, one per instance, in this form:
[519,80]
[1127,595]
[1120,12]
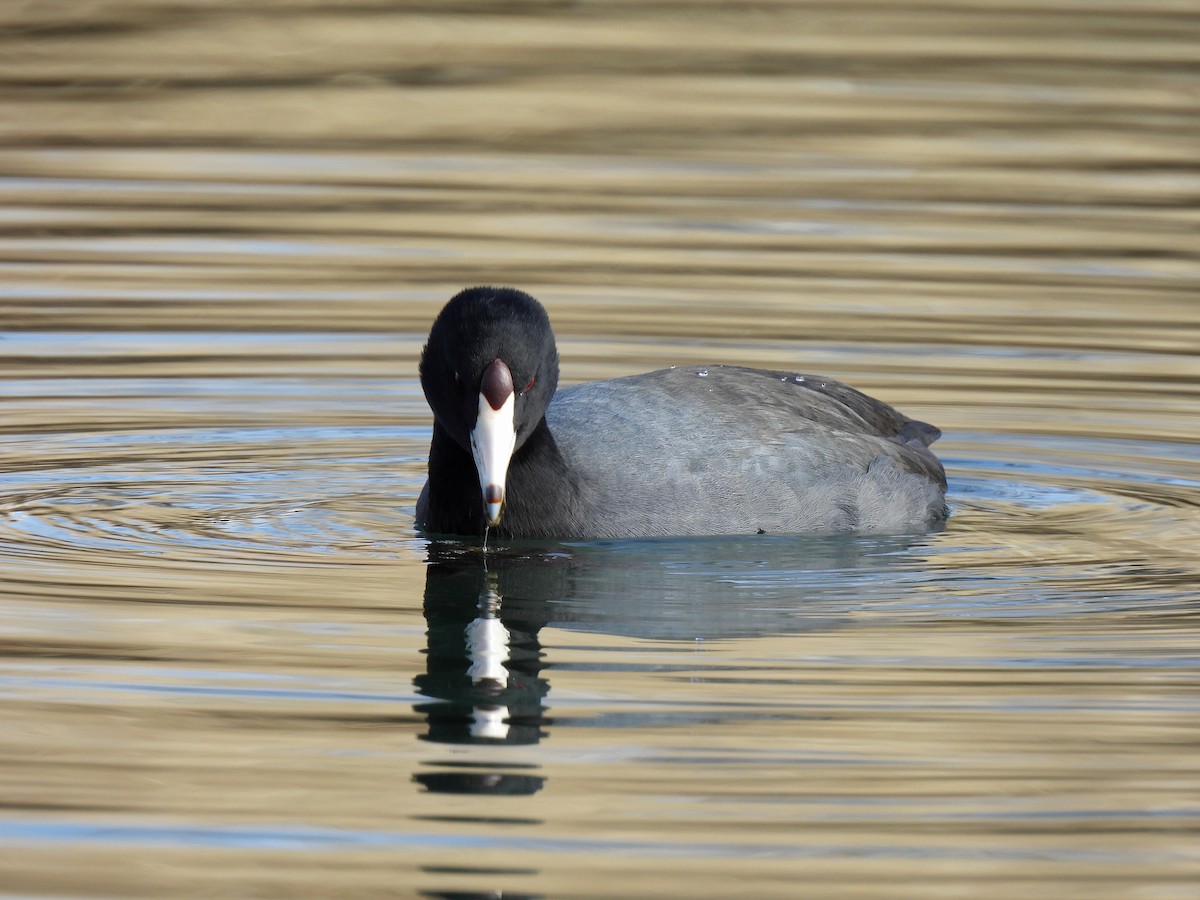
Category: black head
[477,327]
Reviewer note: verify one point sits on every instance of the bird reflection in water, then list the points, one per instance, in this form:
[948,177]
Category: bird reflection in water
[484,659]
[488,649]
[482,672]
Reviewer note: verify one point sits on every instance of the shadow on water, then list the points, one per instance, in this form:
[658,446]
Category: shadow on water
[485,660]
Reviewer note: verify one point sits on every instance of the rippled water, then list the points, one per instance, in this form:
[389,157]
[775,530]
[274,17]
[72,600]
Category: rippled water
[230,667]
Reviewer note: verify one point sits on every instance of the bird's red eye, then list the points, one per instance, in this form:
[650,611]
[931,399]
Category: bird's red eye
[529,386]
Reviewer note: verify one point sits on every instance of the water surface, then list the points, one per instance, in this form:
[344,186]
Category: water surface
[229,665]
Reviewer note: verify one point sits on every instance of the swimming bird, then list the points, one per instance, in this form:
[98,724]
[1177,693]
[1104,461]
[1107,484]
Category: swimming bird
[686,450]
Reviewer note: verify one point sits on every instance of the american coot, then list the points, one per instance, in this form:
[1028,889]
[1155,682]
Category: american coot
[682,451]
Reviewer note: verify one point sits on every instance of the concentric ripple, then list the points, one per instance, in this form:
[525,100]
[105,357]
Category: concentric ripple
[308,496]
[315,492]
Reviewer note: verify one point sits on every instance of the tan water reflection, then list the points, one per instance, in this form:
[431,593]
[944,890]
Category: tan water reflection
[229,666]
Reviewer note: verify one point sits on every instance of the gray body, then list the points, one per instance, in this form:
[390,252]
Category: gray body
[730,450]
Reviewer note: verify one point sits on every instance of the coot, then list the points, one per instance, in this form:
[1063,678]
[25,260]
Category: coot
[687,450]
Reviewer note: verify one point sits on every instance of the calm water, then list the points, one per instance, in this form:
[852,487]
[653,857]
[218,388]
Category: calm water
[230,667]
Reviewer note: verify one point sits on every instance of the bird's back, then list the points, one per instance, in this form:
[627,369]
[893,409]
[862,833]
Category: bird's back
[730,450]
